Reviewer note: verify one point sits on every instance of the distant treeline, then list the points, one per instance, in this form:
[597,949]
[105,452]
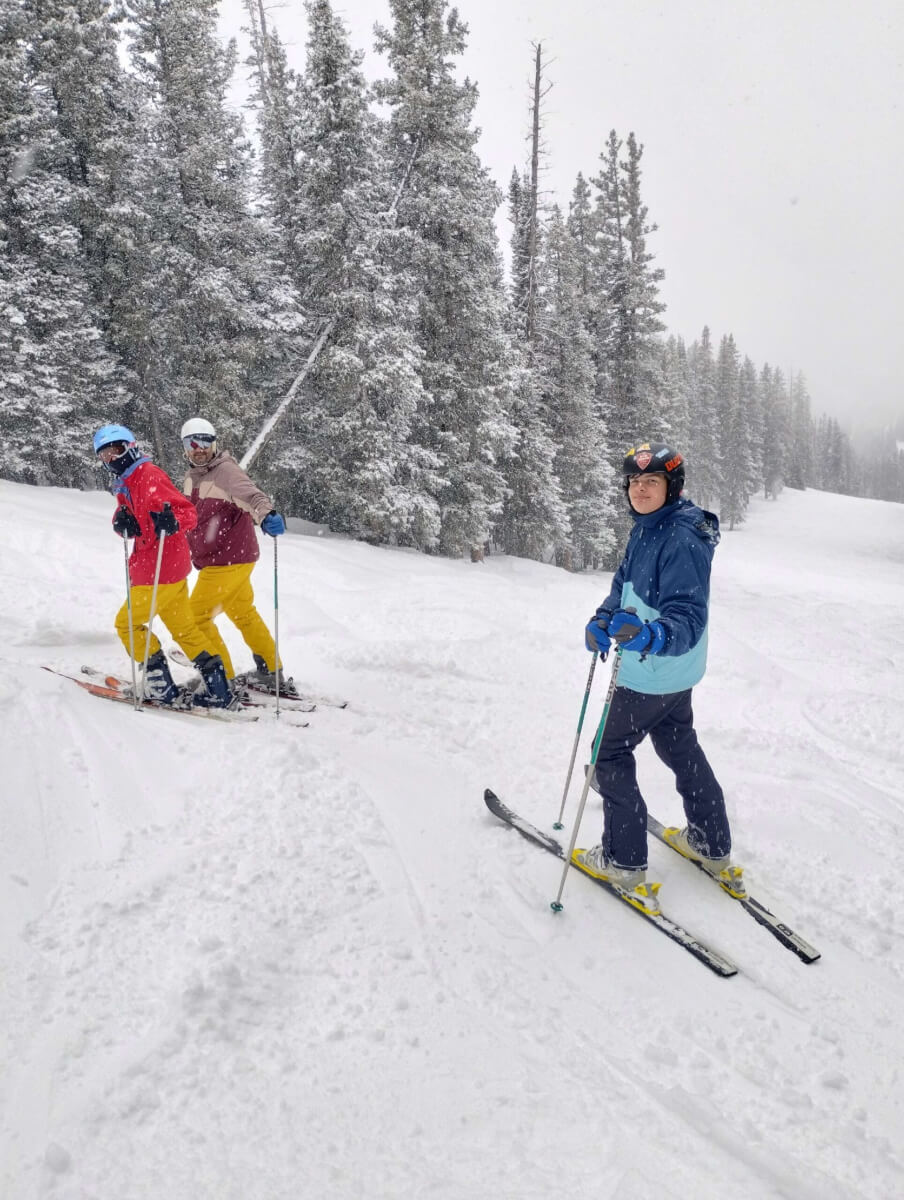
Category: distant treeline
[153,266]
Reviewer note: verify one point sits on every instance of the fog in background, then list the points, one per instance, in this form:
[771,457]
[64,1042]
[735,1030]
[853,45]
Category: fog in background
[773,133]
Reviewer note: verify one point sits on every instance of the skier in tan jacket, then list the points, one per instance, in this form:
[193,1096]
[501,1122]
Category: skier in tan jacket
[224,546]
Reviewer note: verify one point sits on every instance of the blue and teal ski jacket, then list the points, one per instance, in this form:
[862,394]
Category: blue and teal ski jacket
[665,576]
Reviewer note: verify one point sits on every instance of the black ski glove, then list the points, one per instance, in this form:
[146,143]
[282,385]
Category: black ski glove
[125,523]
[165,522]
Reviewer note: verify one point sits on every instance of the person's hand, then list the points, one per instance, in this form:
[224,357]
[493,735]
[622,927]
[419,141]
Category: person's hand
[125,523]
[596,637]
[165,522]
[631,632]
[273,524]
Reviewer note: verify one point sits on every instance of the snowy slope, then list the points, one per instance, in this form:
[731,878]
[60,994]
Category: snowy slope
[262,963]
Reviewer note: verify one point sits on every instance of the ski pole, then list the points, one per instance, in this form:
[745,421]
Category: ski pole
[125,547]
[556,905]
[276,622]
[577,736]
[149,634]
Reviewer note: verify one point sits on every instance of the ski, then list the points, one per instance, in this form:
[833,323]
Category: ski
[124,686]
[287,691]
[108,690]
[704,954]
[780,931]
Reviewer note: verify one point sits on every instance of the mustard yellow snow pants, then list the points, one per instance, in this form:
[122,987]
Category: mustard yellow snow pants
[227,590]
[173,609]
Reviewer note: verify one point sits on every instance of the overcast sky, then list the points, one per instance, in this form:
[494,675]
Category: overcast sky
[773,134]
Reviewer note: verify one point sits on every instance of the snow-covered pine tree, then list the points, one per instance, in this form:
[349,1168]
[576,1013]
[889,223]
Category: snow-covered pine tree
[704,451]
[628,321]
[742,447]
[355,464]
[563,364]
[580,225]
[799,462]
[833,459]
[59,88]
[533,515]
[521,266]
[274,96]
[776,431]
[727,398]
[674,407]
[750,436]
[446,203]
[202,313]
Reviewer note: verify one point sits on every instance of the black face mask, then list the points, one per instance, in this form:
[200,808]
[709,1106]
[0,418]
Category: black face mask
[116,466]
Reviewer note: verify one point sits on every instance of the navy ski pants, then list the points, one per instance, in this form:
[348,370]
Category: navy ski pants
[669,720]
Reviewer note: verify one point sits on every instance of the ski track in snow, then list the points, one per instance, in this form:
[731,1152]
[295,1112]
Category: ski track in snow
[258,962]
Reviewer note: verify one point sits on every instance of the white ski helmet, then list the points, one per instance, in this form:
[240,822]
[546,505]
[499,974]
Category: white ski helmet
[198,428]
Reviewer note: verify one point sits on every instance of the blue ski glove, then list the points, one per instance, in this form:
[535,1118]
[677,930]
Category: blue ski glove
[633,633]
[125,523]
[165,522]
[596,639]
[273,524]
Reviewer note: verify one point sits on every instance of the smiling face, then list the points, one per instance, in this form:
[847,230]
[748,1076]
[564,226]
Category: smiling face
[199,448]
[646,493]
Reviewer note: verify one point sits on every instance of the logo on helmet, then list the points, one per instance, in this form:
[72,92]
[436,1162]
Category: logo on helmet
[674,462]
[643,460]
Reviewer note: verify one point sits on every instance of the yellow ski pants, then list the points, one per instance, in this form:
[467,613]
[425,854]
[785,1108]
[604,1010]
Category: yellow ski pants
[227,590]
[173,609]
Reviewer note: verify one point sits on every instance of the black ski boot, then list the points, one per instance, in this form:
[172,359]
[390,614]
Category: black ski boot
[216,692]
[265,680]
[158,682]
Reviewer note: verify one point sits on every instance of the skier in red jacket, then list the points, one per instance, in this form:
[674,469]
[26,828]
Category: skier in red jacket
[148,506]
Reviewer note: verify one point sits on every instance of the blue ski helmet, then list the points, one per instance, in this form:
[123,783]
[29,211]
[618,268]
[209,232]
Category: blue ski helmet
[109,435]
[112,433]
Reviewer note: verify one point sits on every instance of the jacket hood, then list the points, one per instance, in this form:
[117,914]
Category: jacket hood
[705,525]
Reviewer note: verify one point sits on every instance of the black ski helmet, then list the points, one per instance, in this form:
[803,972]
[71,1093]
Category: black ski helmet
[656,458]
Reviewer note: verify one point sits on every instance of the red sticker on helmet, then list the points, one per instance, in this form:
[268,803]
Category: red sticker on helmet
[643,460]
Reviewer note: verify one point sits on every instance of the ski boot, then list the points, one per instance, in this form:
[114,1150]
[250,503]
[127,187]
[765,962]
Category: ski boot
[216,692]
[729,877]
[264,680]
[630,882]
[158,682]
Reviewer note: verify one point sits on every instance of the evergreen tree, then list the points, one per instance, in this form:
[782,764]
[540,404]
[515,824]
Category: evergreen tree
[445,206]
[355,466]
[742,453]
[201,316]
[776,431]
[674,408]
[564,368]
[799,463]
[521,270]
[731,489]
[704,455]
[582,230]
[628,308]
[533,516]
[58,377]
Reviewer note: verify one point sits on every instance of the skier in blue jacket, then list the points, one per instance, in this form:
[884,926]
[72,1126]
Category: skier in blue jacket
[657,614]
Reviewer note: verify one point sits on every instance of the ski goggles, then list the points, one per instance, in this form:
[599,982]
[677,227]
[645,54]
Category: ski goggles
[198,441]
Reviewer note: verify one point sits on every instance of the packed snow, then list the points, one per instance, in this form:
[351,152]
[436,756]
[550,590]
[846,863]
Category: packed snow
[261,962]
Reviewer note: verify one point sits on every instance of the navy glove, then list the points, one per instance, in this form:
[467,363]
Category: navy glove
[273,524]
[125,524]
[596,638]
[165,522]
[633,633]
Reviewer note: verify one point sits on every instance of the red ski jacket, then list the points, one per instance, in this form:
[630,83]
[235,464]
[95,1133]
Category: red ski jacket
[144,489]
